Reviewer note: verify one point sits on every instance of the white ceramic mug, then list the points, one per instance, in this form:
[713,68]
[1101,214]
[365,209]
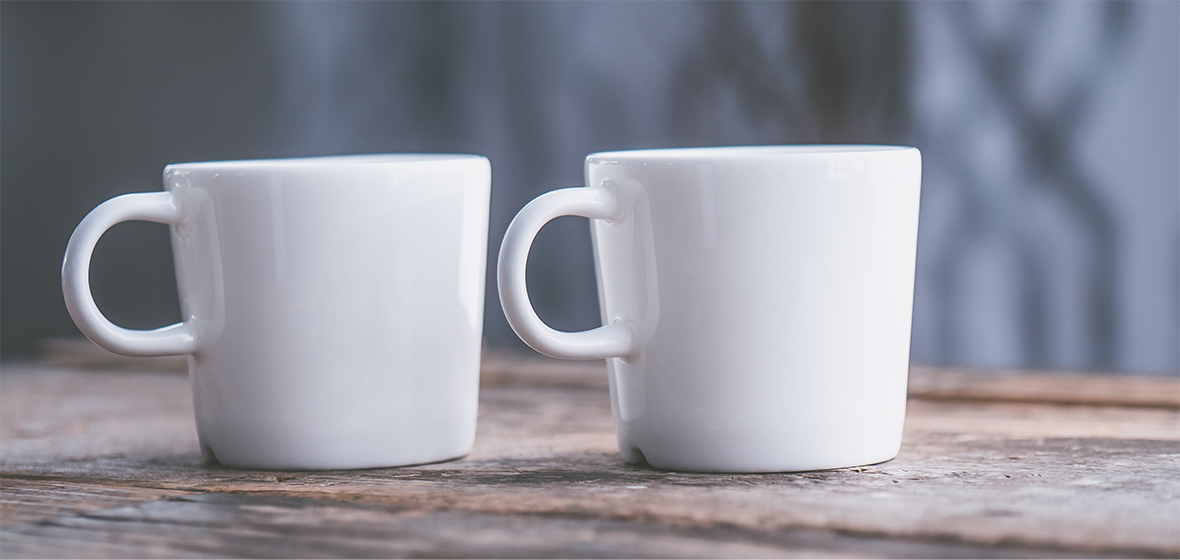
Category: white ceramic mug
[756,301]
[333,307]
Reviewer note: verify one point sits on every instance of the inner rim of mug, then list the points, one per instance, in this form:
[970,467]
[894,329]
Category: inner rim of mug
[743,151]
[331,160]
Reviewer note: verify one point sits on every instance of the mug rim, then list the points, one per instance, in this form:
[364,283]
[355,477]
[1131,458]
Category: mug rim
[334,160]
[757,151]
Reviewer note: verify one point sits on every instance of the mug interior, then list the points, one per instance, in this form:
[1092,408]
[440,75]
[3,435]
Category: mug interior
[361,159]
[737,152]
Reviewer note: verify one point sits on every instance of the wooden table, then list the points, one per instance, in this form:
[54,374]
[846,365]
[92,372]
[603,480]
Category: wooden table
[99,458]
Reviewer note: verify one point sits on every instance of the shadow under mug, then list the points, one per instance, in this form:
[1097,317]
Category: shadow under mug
[333,307]
[756,301]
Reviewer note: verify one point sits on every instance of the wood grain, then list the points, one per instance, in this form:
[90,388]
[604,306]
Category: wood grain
[1045,387]
[101,463]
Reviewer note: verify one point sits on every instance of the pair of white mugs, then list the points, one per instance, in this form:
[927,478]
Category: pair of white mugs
[756,302]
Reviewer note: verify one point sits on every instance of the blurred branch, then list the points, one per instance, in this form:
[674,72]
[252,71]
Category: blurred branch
[1046,151]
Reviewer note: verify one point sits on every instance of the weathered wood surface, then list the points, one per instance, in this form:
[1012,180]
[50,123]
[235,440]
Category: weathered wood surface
[102,460]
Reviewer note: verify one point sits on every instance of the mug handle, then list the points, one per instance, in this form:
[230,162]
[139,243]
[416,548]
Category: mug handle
[616,340]
[160,207]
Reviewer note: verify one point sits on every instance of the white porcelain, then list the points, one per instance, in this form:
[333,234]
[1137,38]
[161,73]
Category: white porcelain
[756,301]
[333,307]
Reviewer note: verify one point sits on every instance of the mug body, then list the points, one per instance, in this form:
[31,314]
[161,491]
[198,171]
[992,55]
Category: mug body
[339,306]
[771,289]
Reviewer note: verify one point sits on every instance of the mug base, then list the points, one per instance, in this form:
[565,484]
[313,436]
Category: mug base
[211,460]
[740,470]
[755,465]
[340,454]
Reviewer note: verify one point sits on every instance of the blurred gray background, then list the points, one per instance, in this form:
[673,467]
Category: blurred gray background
[1050,232]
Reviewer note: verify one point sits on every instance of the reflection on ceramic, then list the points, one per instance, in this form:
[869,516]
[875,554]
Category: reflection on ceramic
[756,301]
[333,306]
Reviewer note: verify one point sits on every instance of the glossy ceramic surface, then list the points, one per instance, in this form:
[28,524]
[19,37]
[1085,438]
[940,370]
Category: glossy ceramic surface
[333,306]
[756,301]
